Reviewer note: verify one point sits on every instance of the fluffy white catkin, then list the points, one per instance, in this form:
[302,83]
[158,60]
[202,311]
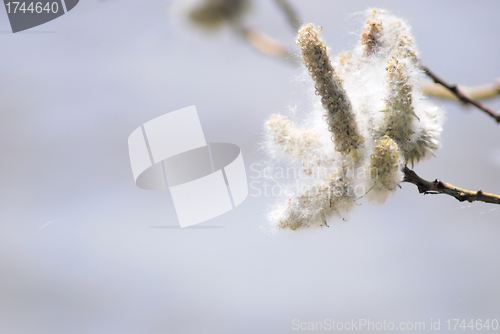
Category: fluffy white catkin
[377,117]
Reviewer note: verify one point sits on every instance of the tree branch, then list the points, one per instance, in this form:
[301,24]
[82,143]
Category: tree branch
[478,92]
[439,187]
[290,13]
[460,95]
[265,44]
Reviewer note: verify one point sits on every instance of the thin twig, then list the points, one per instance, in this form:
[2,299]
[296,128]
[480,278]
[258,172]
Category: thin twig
[290,13]
[439,187]
[265,44]
[477,92]
[460,95]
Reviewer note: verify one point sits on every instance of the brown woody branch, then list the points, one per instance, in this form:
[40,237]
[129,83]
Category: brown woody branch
[460,95]
[481,92]
[439,187]
[290,13]
[265,44]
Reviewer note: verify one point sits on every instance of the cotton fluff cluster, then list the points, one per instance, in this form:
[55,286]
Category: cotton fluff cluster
[375,114]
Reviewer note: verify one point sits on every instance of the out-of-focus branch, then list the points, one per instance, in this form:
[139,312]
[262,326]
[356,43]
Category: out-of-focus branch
[265,44]
[439,187]
[460,95]
[269,46]
[290,13]
[477,92]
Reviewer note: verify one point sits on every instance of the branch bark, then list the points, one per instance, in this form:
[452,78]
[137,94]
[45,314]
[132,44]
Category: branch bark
[461,95]
[265,44]
[439,187]
[481,92]
[291,14]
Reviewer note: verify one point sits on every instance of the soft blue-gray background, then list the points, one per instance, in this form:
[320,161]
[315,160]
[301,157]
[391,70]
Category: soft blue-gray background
[72,90]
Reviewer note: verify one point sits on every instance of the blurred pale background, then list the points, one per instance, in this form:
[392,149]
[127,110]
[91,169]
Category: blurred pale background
[72,90]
